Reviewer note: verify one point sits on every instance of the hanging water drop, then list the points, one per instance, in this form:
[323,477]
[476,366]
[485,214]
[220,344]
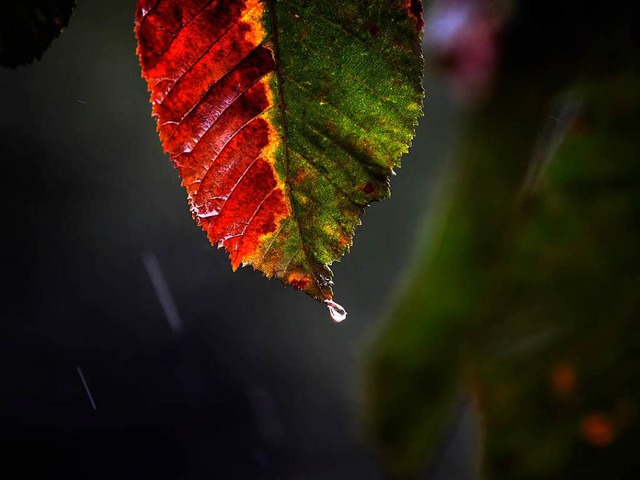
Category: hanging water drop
[337,312]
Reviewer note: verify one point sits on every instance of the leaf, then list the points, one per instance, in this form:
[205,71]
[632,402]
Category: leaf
[284,119]
[27,28]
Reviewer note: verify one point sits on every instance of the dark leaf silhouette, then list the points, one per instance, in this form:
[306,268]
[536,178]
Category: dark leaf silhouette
[27,28]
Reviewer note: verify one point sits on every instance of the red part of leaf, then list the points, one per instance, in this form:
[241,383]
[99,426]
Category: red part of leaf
[205,69]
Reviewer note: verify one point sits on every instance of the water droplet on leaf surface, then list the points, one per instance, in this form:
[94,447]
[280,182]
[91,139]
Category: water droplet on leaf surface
[337,312]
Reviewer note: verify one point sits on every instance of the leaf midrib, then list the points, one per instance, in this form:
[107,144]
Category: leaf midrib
[281,104]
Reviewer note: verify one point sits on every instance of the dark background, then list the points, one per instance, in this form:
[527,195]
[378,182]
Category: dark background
[233,376]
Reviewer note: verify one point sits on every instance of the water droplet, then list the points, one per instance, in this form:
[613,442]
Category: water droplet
[337,312]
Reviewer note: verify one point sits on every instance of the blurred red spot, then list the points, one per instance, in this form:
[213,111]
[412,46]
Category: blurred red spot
[597,430]
[368,188]
[579,127]
[563,379]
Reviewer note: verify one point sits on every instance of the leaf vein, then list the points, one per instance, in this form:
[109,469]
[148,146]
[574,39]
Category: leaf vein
[274,26]
[282,224]
[366,164]
[182,27]
[207,50]
[366,130]
[233,189]
[329,179]
[221,113]
[213,160]
[336,220]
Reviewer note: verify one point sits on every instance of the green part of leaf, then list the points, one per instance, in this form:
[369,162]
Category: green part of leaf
[349,94]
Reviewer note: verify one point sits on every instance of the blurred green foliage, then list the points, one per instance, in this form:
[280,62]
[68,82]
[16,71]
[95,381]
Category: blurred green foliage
[526,296]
